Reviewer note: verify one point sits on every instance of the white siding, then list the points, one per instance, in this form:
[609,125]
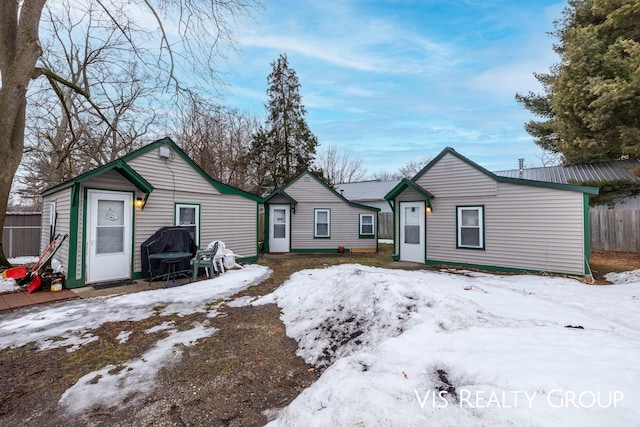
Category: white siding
[345,218]
[63,203]
[451,176]
[525,228]
[229,218]
[174,174]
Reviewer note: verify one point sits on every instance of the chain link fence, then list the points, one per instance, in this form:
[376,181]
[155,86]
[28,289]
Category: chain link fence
[21,241]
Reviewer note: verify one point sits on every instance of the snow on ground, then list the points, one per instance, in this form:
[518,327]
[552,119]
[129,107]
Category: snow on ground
[443,348]
[8,285]
[23,260]
[624,277]
[69,324]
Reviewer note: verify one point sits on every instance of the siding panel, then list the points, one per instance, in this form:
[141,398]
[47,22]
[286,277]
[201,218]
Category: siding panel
[452,177]
[345,218]
[63,205]
[525,227]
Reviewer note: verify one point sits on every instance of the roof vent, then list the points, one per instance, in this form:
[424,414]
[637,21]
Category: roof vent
[164,152]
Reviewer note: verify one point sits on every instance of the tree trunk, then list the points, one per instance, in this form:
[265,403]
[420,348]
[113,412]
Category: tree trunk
[19,51]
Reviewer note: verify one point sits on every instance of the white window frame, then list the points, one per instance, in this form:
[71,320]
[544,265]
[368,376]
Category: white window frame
[373,225]
[479,227]
[316,223]
[178,208]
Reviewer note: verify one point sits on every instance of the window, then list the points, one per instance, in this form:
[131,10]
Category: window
[188,216]
[471,227]
[367,230]
[322,224]
[412,225]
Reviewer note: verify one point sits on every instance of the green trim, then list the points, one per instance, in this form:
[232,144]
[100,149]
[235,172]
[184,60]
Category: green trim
[118,165]
[121,166]
[403,185]
[74,209]
[258,229]
[423,209]
[374,225]
[266,225]
[188,204]
[516,181]
[318,251]
[280,192]
[484,242]
[497,269]
[307,172]
[136,275]
[248,259]
[85,207]
[267,219]
[587,234]
[315,223]
[222,188]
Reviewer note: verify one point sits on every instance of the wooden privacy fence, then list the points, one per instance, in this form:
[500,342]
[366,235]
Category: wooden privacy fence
[615,230]
[385,225]
[611,229]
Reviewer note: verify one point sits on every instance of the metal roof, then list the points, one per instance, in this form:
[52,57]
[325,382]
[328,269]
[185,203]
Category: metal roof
[366,190]
[602,171]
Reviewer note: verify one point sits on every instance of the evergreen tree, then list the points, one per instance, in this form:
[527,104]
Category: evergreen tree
[285,147]
[591,100]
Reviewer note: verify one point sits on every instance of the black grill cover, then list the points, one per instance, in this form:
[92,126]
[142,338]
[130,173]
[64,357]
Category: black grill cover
[166,239]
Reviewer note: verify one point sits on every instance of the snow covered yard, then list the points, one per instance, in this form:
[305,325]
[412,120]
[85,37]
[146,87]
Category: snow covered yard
[70,325]
[444,348]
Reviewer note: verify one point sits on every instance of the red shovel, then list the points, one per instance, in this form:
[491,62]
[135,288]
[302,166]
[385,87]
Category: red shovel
[33,279]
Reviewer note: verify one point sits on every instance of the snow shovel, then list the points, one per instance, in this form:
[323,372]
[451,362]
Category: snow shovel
[19,273]
[16,273]
[32,279]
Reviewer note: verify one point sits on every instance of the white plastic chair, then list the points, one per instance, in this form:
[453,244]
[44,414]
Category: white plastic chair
[218,258]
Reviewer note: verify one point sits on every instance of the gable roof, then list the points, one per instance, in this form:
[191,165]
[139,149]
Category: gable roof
[366,190]
[509,180]
[118,165]
[121,166]
[282,191]
[403,185]
[601,171]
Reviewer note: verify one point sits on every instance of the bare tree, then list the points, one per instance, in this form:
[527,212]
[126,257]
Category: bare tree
[412,168]
[339,166]
[197,31]
[218,139]
[408,171]
[66,136]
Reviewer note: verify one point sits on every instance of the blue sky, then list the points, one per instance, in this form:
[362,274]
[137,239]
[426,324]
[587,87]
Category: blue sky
[396,81]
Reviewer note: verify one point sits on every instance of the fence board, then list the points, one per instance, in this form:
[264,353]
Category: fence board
[615,230]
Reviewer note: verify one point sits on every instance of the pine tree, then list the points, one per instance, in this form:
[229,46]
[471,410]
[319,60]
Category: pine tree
[591,100]
[285,147]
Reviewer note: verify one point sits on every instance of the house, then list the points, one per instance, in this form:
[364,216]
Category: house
[307,215]
[369,193]
[455,212]
[110,211]
[626,169]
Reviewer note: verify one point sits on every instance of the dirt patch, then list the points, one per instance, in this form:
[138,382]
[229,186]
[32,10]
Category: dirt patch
[246,370]
[607,262]
[243,372]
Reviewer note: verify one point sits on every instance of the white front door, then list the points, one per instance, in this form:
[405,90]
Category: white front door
[412,235]
[279,230]
[108,235]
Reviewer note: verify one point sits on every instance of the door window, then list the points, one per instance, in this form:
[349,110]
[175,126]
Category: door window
[412,225]
[279,223]
[110,227]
